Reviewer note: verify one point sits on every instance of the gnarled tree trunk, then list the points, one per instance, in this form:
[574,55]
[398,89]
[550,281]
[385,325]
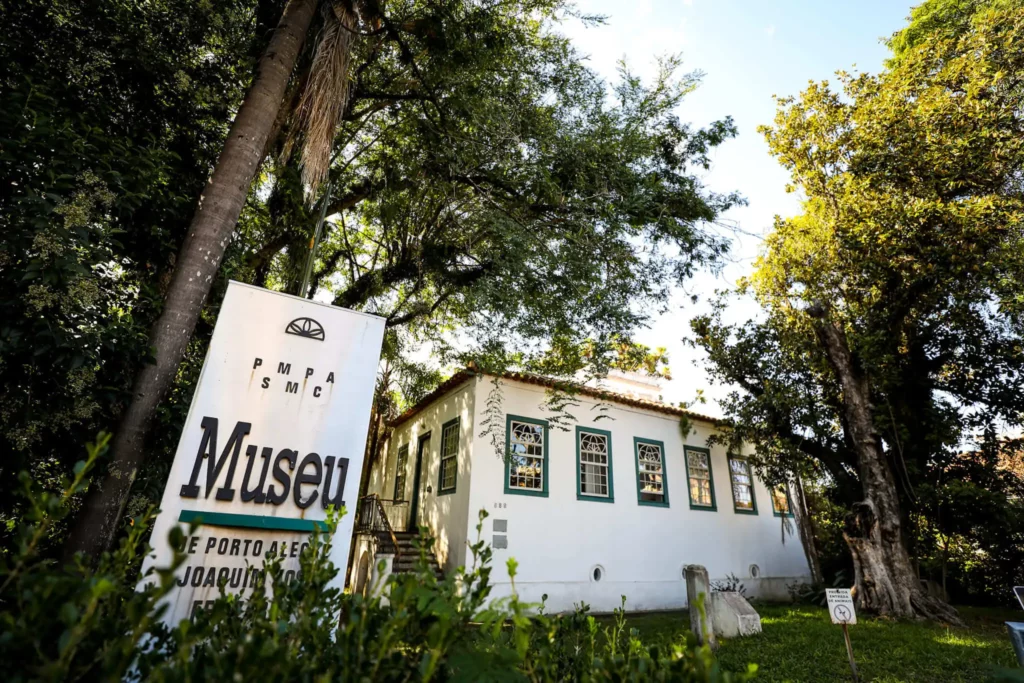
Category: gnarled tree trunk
[207,239]
[884,578]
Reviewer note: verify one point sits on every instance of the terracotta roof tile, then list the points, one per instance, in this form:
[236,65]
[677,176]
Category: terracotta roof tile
[549,382]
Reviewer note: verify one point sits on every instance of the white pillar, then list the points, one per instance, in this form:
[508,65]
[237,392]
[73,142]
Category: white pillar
[698,600]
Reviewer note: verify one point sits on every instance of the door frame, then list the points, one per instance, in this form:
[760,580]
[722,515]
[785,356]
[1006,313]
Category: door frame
[414,503]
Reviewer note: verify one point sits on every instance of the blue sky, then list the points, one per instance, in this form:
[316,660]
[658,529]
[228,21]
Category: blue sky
[749,51]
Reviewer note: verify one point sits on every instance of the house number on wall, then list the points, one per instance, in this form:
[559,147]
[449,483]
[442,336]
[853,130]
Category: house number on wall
[500,506]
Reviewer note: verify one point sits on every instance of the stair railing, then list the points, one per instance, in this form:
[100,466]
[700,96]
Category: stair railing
[373,519]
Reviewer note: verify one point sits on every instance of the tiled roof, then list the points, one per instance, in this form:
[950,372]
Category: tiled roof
[549,382]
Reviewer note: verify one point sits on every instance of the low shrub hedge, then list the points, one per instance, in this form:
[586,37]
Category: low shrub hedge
[83,622]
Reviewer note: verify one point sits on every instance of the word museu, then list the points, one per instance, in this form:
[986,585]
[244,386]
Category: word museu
[310,471]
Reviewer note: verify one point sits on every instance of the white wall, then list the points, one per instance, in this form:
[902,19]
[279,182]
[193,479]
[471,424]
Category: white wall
[445,515]
[557,540]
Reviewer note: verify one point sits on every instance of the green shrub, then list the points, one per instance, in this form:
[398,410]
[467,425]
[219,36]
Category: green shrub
[80,622]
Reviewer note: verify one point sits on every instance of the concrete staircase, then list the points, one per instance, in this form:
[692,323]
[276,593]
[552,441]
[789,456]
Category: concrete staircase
[409,555]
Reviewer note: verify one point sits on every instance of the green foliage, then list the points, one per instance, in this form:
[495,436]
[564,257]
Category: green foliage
[800,643]
[911,243]
[487,188]
[731,583]
[970,528]
[492,426]
[111,115]
[569,356]
[939,18]
[558,405]
[71,622]
[486,181]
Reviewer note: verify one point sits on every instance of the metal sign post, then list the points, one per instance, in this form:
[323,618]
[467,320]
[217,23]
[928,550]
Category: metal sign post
[840,608]
[849,653]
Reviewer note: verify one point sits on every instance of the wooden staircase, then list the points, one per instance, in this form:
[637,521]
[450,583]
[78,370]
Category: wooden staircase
[408,555]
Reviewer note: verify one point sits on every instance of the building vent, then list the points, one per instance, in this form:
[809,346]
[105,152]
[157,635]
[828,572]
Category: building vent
[755,571]
[597,573]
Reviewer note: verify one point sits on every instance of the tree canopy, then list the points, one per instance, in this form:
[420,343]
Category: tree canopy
[910,247]
[491,183]
[485,191]
[111,115]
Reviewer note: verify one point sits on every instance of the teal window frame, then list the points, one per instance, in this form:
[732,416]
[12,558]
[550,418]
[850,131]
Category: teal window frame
[637,440]
[543,491]
[753,495]
[789,501]
[610,498]
[441,491]
[401,467]
[711,478]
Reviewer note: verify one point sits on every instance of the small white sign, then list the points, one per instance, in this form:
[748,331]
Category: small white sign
[840,606]
[273,438]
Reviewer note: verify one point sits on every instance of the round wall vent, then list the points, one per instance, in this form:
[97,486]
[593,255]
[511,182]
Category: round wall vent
[755,571]
[597,573]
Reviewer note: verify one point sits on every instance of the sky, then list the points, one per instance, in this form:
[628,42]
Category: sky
[749,51]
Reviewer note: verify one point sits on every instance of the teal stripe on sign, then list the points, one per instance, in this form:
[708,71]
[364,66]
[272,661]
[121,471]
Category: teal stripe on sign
[232,519]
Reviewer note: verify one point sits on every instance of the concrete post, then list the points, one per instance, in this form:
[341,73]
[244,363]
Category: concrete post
[1016,629]
[383,568]
[698,600]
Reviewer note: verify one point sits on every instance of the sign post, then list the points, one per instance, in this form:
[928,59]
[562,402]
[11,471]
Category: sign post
[840,608]
[274,438]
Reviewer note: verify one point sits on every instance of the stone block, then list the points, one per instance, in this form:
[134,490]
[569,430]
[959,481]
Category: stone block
[698,600]
[1016,629]
[733,616]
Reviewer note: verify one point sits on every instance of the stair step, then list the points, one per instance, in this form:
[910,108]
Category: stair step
[409,554]
[437,575]
[411,564]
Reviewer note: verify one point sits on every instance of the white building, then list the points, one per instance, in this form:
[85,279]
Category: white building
[615,503]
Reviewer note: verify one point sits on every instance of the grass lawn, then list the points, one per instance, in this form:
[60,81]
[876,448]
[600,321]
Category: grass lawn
[799,643]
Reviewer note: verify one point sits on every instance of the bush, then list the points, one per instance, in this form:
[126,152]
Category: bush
[81,622]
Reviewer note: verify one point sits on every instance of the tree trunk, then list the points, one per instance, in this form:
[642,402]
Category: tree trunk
[371,449]
[207,239]
[805,526]
[884,578]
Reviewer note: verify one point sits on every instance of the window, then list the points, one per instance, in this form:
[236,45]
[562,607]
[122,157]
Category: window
[526,463]
[449,469]
[698,472]
[400,467]
[742,486]
[651,483]
[594,465]
[780,501]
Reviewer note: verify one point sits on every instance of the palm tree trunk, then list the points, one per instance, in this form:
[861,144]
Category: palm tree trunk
[208,236]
